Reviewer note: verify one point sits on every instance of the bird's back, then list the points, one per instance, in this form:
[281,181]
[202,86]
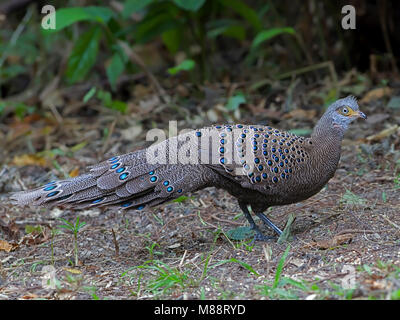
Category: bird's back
[258,163]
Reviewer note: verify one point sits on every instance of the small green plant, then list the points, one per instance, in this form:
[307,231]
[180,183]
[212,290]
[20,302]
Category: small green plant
[151,250]
[351,199]
[276,289]
[74,229]
[241,263]
[162,280]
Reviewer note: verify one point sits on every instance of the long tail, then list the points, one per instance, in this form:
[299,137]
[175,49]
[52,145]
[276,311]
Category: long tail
[125,181]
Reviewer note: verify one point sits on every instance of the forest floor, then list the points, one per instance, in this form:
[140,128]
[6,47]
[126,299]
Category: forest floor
[344,242]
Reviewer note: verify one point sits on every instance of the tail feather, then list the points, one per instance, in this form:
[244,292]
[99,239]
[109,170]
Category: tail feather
[125,181]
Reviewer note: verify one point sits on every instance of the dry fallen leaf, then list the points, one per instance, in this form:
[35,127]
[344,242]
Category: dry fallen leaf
[7,247]
[375,94]
[383,134]
[73,271]
[376,285]
[30,296]
[28,159]
[34,238]
[331,243]
[74,172]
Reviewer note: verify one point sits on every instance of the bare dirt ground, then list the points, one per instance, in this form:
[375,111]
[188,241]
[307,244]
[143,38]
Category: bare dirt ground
[344,241]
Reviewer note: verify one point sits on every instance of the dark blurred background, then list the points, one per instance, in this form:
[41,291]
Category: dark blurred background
[141,63]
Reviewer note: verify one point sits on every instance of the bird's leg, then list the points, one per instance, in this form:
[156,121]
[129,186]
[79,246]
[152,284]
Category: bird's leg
[268,222]
[258,236]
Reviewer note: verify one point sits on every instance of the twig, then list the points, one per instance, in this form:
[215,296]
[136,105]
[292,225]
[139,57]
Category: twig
[226,221]
[137,60]
[183,258]
[327,64]
[110,132]
[391,222]
[116,245]
[56,114]
[16,34]
[360,231]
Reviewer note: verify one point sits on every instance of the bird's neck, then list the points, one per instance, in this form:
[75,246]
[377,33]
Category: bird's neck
[327,140]
[326,133]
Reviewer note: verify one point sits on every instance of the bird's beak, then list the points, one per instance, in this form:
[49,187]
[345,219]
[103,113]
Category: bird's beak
[360,114]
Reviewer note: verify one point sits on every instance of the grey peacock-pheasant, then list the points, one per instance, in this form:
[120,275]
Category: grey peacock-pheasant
[259,165]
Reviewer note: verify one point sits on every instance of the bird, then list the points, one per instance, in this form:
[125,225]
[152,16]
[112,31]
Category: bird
[259,165]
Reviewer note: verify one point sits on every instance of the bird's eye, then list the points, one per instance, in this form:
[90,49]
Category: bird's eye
[345,111]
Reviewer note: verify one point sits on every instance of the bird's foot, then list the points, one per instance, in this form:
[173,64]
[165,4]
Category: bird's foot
[261,237]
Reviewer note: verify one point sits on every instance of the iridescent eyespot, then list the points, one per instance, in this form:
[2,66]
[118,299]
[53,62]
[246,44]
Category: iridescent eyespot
[52,194]
[97,200]
[123,176]
[126,204]
[49,188]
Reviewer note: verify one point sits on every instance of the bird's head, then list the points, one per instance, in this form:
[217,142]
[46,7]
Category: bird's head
[344,111]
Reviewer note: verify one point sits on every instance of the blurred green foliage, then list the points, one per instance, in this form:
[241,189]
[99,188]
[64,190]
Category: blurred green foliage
[180,24]
[100,35]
